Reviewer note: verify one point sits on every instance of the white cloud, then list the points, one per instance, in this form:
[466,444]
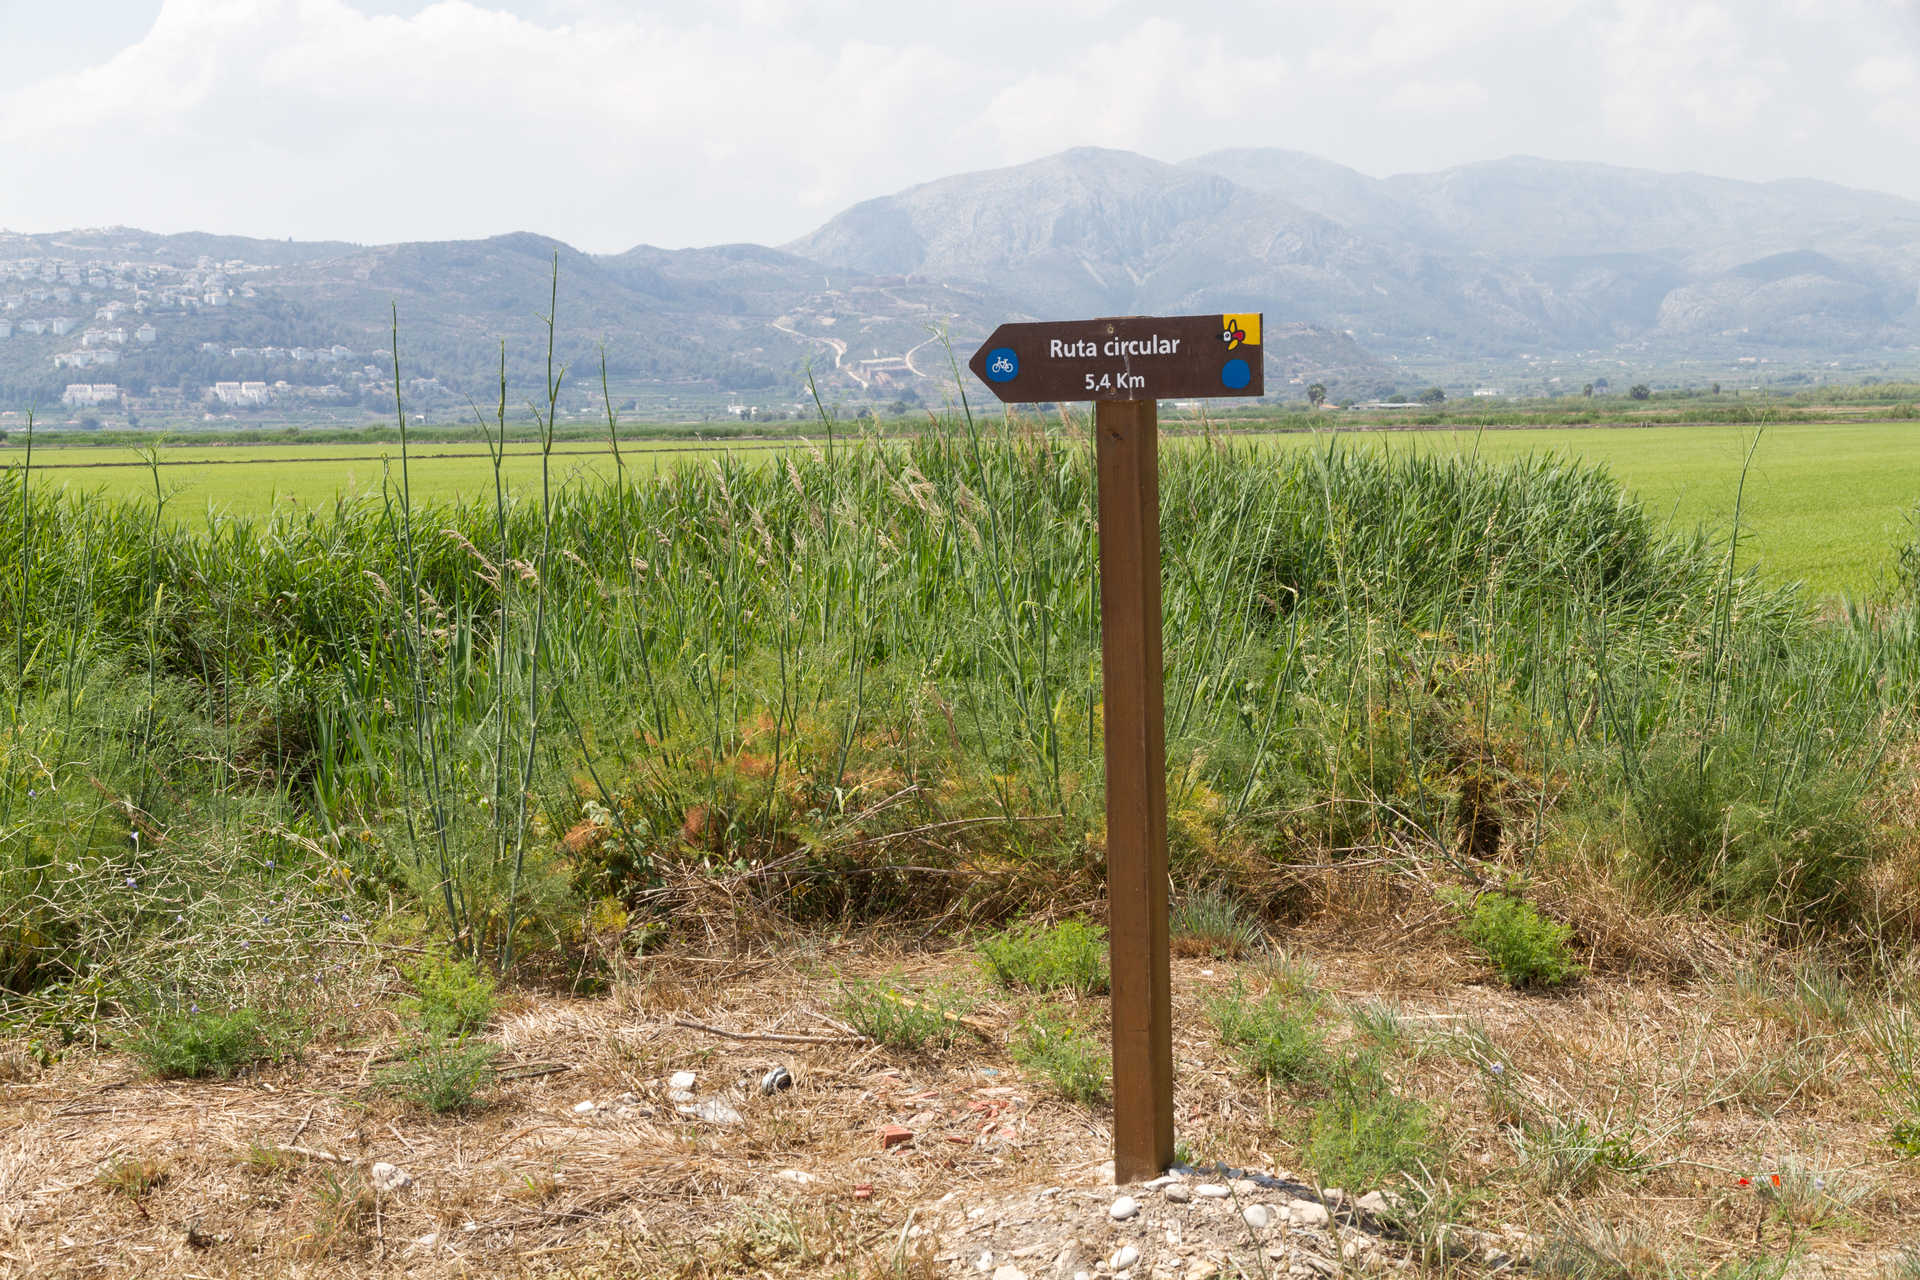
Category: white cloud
[1437,96]
[1157,87]
[692,121]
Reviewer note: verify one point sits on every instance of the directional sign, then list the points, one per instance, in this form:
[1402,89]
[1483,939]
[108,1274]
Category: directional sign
[1127,363]
[1124,358]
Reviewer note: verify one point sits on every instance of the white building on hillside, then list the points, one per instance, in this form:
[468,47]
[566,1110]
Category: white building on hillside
[83,394]
[241,394]
[145,333]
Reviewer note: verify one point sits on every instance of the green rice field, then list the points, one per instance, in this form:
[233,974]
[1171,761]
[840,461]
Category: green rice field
[1824,503]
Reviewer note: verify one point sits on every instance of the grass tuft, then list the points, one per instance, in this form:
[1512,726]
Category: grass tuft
[1274,1037]
[1211,923]
[1069,956]
[133,1176]
[444,1075]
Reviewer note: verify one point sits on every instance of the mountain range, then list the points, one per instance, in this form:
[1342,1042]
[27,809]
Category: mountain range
[1510,260]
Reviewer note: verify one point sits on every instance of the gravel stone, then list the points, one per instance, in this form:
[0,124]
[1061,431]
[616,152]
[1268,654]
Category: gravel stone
[1178,1192]
[1212,1191]
[387,1178]
[1123,1257]
[1123,1208]
[1257,1216]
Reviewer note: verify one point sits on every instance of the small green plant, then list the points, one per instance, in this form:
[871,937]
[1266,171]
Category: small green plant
[343,1205]
[1568,1157]
[1821,997]
[1803,1196]
[1383,1022]
[132,1176]
[191,1045]
[1367,1135]
[444,1075]
[1273,1038]
[1288,974]
[1210,923]
[1896,1049]
[1526,948]
[913,1023]
[452,999]
[1069,956]
[1048,1044]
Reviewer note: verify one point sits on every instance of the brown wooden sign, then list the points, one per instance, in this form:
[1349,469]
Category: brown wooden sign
[1124,358]
[1128,363]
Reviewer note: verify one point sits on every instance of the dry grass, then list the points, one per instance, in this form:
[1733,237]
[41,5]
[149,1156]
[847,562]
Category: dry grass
[1625,1112]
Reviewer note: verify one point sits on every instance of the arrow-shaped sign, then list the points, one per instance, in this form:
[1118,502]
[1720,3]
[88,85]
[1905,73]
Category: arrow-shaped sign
[1124,358]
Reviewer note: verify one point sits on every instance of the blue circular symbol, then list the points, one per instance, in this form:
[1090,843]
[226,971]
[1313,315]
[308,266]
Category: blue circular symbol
[1002,365]
[1235,374]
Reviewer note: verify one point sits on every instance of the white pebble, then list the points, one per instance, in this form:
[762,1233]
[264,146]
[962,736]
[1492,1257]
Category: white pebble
[1178,1192]
[388,1178]
[984,1263]
[1123,1208]
[1211,1191]
[1009,1272]
[1306,1213]
[1123,1257]
[1258,1216]
[585,1108]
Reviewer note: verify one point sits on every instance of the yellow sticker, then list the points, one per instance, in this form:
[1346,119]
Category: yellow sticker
[1238,331]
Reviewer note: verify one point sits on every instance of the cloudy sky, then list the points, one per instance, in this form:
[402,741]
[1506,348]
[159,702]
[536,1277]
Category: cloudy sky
[676,123]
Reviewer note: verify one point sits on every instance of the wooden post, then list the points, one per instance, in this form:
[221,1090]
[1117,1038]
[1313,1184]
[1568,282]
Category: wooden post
[1128,459]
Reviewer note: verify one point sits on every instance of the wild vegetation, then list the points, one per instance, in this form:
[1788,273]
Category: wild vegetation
[540,732]
[521,718]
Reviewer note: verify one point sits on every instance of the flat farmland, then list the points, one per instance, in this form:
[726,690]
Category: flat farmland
[254,479]
[1826,504]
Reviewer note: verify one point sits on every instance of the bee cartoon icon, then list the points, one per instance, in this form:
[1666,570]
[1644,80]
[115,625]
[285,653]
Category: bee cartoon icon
[1238,331]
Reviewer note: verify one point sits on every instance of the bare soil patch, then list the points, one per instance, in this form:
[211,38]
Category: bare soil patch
[587,1162]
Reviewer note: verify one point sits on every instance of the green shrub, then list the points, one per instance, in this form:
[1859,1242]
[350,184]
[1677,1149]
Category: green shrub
[1528,949]
[443,1074]
[1075,1063]
[192,1045]
[452,999]
[1717,823]
[1368,1135]
[1272,1039]
[914,1022]
[1069,956]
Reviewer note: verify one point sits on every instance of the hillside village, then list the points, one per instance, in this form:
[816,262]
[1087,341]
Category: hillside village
[85,314]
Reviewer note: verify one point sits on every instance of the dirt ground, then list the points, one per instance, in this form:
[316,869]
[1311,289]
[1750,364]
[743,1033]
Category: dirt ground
[878,1162]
